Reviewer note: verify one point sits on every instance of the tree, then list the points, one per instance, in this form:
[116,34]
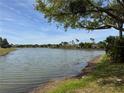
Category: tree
[115,48]
[5,43]
[87,45]
[101,44]
[92,39]
[77,40]
[64,43]
[81,45]
[88,14]
[0,41]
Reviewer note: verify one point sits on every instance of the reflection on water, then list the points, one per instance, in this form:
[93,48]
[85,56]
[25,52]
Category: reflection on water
[26,68]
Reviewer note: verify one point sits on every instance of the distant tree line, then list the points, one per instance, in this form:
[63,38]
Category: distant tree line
[73,44]
[4,43]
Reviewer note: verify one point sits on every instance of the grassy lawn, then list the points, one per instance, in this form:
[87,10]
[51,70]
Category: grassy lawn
[4,51]
[105,78]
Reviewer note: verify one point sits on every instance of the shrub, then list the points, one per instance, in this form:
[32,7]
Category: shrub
[115,48]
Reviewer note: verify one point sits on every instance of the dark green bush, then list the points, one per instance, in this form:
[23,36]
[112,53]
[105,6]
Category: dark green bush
[115,48]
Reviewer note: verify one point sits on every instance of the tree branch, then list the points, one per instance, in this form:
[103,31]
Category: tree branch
[114,26]
[107,12]
[95,28]
[122,29]
[108,26]
[121,3]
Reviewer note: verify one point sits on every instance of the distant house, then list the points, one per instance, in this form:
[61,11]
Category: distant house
[95,46]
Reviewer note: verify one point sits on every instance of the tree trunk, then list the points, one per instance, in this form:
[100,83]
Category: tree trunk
[120,31]
[120,34]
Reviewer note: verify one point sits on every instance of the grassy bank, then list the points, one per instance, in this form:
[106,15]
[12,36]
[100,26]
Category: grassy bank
[103,77]
[4,51]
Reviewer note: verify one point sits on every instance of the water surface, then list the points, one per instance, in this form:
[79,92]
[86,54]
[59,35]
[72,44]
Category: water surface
[27,68]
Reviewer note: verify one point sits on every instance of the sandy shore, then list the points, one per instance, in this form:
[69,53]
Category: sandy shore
[51,84]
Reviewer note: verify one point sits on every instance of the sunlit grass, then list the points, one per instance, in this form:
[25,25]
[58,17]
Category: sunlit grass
[67,86]
[4,51]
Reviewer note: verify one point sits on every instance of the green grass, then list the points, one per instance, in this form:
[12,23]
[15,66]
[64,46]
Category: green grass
[106,78]
[4,51]
[105,69]
[68,85]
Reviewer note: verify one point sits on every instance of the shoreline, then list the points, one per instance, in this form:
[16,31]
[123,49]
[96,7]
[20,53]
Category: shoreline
[90,66]
[5,51]
[51,84]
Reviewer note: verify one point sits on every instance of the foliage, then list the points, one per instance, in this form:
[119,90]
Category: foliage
[4,43]
[107,69]
[102,44]
[88,14]
[81,45]
[115,48]
[67,45]
[0,41]
[87,45]
[64,43]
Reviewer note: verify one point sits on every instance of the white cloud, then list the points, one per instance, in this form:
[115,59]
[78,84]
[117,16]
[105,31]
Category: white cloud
[28,26]
[7,19]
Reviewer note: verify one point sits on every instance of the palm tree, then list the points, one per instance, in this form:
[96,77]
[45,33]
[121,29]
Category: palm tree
[92,39]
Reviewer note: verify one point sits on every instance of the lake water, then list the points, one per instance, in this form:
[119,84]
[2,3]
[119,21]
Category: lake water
[26,68]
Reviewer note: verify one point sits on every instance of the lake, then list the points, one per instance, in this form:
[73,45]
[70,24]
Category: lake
[27,68]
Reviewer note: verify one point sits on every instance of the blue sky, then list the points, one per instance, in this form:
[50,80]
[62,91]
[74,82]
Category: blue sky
[20,23]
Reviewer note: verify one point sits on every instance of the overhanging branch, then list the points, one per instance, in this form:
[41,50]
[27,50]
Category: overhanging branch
[122,29]
[121,3]
[95,28]
[108,26]
[107,12]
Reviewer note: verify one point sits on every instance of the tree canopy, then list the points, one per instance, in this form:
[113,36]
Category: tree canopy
[4,43]
[88,14]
